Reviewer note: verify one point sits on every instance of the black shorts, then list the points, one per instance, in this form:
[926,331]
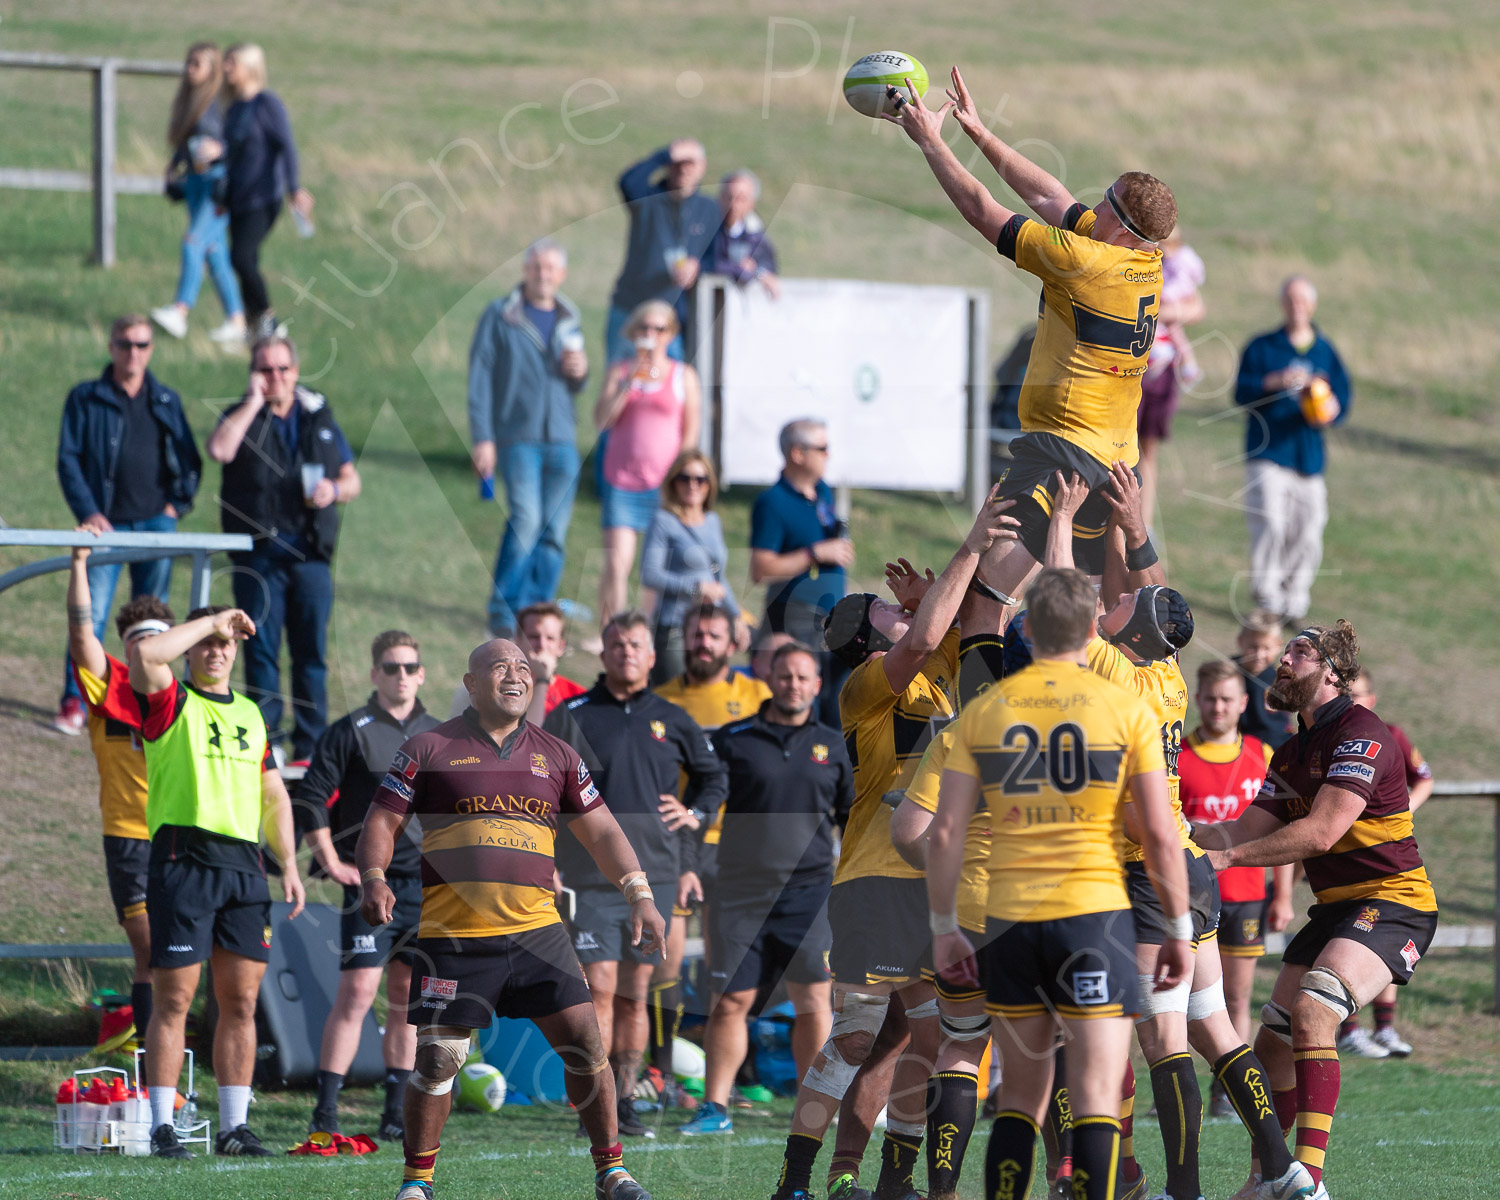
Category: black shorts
[754,941]
[1076,967]
[955,993]
[193,908]
[1031,480]
[469,982]
[880,932]
[1203,902]
[708,869]
[601,926]
[364,945]
[1398,934]
[125,863]
[1242,928]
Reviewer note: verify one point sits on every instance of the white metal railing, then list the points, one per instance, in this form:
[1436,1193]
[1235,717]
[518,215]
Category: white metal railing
[125,547]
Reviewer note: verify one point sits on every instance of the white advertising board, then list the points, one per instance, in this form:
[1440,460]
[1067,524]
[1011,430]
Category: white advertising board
[887,367]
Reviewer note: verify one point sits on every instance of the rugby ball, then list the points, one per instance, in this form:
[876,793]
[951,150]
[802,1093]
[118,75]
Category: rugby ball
[688,1060]
[481,1088]
[866,81]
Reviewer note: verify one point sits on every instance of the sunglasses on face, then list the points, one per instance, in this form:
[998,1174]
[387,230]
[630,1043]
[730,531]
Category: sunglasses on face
[695,480]
[278,370]
[396,668]
[127,344]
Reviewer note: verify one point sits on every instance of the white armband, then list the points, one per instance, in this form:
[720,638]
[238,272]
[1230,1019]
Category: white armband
[941,923]
[635,887]
[1180,928]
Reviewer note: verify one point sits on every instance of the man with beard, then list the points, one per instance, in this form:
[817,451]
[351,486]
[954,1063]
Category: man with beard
[790,782]
[1335,797]
[713,695]
[491,791]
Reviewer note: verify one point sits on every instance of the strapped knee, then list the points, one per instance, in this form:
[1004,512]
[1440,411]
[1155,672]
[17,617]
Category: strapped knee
[440,1057]
[1330,991]
[1204,1003]
[1277,1021]
[1153,1003]
[928,1008]
[596,1065]
[859,1014]
[965,1029]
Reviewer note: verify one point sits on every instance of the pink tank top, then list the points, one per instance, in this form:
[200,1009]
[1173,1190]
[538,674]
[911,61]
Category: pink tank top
[647,435]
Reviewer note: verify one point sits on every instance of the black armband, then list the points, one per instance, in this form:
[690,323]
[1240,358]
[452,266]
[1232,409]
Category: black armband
[1141,557]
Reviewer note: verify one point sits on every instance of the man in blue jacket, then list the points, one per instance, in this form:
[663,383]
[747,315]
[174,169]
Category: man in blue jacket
[127,463]
[671,228]
[526,364]
[1286,499]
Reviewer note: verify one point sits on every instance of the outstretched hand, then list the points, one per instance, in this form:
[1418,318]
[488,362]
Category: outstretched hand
[1071,493]
[965,111]
[907,584]
[992,525]
[922,124]
[1123,494]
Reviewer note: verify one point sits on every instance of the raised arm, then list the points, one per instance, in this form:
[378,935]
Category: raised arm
[152,669]
[939,607]
[83,643]
[1129,555]
[1039,190]
[224,442]
[1070,495]
[612,393]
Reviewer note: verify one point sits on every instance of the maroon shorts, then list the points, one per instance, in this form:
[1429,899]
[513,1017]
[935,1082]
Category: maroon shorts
[1158,403]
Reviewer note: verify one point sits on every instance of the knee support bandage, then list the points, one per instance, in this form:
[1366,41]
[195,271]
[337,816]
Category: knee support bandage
[440,1057]
[859,1013]
[1329,990]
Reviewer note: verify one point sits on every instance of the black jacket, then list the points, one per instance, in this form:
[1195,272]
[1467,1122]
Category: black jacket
[788,786]
[261,493]
[635,748]
[88,447]
[349,762]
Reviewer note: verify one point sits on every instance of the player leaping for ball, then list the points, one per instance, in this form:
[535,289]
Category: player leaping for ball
[1101,285]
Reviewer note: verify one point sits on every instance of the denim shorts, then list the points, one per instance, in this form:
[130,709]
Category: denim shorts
[621,508]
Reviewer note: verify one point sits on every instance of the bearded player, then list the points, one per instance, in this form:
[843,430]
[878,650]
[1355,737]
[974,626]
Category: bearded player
[1101,287]
[1335,797]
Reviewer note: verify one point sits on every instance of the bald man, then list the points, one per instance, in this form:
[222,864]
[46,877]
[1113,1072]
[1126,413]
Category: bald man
[490,789]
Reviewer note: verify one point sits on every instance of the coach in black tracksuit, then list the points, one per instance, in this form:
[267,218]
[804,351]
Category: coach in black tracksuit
[634,744]
[329,804]
[790,782]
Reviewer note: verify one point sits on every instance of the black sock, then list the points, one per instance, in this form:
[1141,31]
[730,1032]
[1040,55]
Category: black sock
[898,1159]
[1011,1157]
[952,1099]
[1244,1081]
[663,1016]
[395,1090]
[140,1008]
[1096,1156]
[797,1166]
[329,1083]
[1179,1111]
[1059,1112]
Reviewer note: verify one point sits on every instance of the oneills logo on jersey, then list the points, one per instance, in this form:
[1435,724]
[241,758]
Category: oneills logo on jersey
[539,766]
[820,753]
[470,761]
[659,730]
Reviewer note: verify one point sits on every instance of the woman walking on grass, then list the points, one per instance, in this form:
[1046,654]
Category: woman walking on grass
[196,171]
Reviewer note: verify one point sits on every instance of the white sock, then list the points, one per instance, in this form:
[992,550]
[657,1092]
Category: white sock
[234,1105]
[163,1102]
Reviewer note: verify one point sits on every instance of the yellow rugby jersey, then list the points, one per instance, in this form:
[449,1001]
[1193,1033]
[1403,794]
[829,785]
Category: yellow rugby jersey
[974,876]
[119,752]
[885,734]
[1054,748]
[713,705]
[1162,686]
[1095,326]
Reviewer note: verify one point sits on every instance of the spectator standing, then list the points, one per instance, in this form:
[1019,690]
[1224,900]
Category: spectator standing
[526,364]
[331,801]
[635,744]
[740,249]
[287,466]
[1286,498]
[261,158]
[790,782]
[127,463]
[671,227]
[1260,642]
[799,548]
[1171,361]
[684,558]
[196,171]
[650,407]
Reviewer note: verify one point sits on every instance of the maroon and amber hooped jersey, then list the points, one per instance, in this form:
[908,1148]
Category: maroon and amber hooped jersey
[489,815]
[1219,782]
[1349,747]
